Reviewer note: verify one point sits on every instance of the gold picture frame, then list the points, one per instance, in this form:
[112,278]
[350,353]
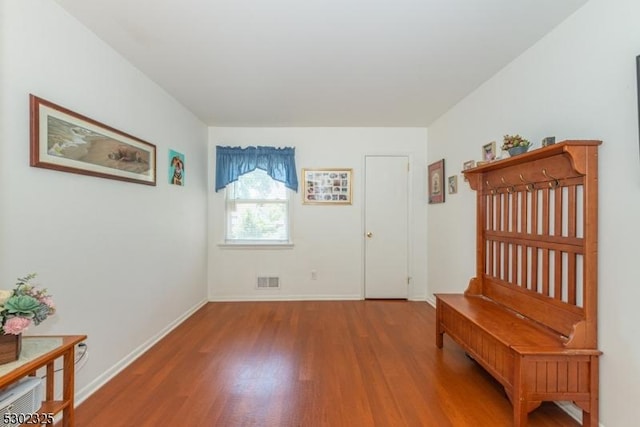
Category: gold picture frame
[327,186]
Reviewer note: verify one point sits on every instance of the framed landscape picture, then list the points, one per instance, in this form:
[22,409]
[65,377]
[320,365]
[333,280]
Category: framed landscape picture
[67,141]
[326,186]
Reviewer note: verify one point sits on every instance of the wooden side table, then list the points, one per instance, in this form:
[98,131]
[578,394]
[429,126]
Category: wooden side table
[58,346]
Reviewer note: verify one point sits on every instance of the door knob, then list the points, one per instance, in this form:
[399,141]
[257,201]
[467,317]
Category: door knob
[369,234]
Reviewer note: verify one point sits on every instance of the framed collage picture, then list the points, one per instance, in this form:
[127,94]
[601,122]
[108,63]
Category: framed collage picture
[327,186]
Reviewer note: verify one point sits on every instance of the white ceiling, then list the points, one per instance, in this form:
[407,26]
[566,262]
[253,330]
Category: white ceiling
[320,62]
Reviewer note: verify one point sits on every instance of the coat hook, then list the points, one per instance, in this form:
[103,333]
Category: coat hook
[527,185]
[510,188]
[492,190]
[555,182]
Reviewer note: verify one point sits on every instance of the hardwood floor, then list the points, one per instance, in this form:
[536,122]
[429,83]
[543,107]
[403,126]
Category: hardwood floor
[330,363]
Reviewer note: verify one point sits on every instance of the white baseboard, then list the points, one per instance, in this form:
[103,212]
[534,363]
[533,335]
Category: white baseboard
[240,298]
[255,298]
[573,410]
[91,388]
[431,300]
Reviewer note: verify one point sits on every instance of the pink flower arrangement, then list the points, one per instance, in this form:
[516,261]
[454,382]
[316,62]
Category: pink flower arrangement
[23,306]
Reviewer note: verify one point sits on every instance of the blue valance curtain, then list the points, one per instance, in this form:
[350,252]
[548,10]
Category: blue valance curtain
[279,163]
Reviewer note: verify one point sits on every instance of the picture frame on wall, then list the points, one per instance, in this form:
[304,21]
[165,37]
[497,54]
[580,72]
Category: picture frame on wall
[327,186]
[176,168]
[452,184]
[638,89]
[436,182]
[66,141]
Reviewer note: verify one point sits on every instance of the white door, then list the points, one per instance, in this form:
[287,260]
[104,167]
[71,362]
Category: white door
[386,226]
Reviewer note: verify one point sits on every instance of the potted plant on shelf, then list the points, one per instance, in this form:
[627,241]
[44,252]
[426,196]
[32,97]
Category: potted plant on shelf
[515,144]
[20,308]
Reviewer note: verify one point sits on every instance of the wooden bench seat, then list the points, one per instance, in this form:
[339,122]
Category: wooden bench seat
[506,326]
[529,317]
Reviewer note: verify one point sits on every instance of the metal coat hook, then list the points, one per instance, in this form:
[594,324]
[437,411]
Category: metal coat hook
[555,182]
[510,188]
[527,184]
[492,190]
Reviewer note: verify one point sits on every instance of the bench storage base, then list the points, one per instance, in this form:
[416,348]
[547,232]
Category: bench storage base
[526,358]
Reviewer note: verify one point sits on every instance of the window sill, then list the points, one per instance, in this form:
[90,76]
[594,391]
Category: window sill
[255,245]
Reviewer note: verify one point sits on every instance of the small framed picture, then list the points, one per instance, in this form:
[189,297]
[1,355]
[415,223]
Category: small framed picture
[638,84]
[469,164]
[176,168]
[489,151]
[435,182]
[550,140]
[453,184]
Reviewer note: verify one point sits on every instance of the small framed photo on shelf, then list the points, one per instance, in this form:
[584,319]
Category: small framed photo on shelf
[453,184]
[435,182]
[326,186]
[549,140]
[489,152]
[469,164]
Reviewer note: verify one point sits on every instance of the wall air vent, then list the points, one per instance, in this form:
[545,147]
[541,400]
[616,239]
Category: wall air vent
[268,282]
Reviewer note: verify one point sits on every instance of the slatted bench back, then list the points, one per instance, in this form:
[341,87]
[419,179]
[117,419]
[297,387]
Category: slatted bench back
[537,237]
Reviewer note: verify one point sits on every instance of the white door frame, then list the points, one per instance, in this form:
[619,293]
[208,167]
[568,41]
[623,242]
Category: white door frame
[412,169]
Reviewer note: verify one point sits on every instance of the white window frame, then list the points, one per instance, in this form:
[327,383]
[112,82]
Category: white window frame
[249,243]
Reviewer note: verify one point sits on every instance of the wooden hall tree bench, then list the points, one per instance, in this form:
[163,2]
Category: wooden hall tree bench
[529,317]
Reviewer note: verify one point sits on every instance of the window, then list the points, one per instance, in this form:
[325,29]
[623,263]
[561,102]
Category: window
[257,210]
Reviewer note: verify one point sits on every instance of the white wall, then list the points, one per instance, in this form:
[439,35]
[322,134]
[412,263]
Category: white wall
[123,261]
[579,82]
[328,239]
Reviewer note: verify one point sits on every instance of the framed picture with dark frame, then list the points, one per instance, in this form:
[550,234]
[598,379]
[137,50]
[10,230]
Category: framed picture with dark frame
[436,182]
[66,141]
[638,89]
